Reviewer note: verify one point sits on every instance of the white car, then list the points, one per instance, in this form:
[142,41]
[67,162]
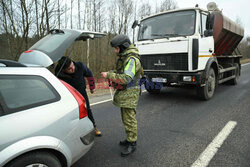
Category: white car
[43,121]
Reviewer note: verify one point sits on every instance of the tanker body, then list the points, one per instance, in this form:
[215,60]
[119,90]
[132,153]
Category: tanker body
[227,34]
[189,47]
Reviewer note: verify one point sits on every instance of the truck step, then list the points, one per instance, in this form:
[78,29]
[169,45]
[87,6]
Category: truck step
[226,69]
[227,79]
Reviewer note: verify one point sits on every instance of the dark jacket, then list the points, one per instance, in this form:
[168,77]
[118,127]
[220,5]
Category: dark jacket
[77,79]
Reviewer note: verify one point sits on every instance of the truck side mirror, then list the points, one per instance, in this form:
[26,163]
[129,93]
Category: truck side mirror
[135,24]
[208,33]
[210,21]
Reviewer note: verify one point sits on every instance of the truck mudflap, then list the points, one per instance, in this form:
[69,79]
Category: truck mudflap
[175,78]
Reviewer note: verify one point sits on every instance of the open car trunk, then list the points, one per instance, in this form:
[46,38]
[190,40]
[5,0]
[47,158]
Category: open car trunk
[51,48]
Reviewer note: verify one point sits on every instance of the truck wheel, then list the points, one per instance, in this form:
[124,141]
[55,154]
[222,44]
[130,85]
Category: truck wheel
[34,159]
[237,75]
[152,87]
[206,92]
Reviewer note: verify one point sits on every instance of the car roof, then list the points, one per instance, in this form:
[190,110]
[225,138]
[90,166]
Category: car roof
[52,47]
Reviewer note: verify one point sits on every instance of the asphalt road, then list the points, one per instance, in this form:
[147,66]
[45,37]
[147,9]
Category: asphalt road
[175,128]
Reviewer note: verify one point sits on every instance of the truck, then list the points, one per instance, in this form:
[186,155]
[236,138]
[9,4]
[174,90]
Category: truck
[190,47]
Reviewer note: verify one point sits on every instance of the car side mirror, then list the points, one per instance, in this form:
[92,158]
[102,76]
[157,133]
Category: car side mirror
[208,33]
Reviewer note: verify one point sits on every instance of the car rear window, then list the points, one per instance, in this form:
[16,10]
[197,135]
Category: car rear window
[18,93]
[51,42]
[55,44]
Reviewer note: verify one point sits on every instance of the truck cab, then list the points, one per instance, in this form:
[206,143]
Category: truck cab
[179,48]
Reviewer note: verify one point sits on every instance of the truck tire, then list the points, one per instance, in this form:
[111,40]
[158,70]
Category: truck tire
[237,75]
[34,159]
[206,92]
[152,87]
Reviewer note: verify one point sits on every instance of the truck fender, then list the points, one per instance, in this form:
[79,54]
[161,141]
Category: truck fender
[211,63]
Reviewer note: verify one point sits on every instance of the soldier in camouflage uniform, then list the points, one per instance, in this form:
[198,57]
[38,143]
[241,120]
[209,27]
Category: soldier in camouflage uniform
[125,80]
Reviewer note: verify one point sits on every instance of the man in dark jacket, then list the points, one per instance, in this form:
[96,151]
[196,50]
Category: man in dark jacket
[73,73]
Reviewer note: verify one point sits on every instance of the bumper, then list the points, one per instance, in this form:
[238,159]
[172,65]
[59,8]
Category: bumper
[80,140]
[89,138]
[177,78]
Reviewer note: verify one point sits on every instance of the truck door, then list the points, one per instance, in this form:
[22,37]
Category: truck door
[206,43]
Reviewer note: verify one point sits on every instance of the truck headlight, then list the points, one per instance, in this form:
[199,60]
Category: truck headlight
[187,78]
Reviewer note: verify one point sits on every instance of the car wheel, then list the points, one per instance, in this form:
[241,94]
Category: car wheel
[206,92]
[36,159]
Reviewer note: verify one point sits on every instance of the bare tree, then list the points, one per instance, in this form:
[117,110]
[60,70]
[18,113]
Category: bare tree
[5,24]
[124,9]
[79,14]
[46,7]
[26,22]
[37,25]
[98,15]
[88,13]
[47,11]
[112,18]
[17,25]
[58,14]
[94,15]
[166,5]
[145,10]
[65,17]
[71,14]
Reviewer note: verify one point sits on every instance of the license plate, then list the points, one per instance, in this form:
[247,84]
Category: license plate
[162,80]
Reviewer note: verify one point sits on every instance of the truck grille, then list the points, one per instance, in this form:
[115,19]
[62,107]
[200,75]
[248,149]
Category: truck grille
[177,61]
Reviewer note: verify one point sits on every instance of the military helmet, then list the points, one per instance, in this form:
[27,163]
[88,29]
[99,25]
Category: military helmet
[120,40]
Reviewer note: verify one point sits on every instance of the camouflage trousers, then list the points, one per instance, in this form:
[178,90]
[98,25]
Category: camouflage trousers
[130,123]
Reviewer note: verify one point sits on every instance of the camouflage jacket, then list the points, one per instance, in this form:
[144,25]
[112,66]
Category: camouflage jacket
[125,78]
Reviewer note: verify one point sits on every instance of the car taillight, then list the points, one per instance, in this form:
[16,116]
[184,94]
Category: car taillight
[79,98]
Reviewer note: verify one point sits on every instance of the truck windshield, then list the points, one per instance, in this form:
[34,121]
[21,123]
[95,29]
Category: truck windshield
[168,25]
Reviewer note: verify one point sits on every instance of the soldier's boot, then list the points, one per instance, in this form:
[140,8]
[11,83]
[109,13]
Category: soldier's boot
[124,143]
[129,149]
[97,132]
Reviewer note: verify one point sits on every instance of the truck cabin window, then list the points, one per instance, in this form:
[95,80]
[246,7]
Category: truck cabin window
[168,25]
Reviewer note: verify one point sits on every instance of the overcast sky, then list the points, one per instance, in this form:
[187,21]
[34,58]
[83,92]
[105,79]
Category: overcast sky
[230,8]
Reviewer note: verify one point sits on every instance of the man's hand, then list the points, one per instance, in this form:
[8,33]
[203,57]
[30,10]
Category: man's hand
[92,91]
[104,74]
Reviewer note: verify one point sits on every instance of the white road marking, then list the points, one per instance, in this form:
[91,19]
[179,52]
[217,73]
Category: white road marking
[104,101]
[213,147]
[245,64]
